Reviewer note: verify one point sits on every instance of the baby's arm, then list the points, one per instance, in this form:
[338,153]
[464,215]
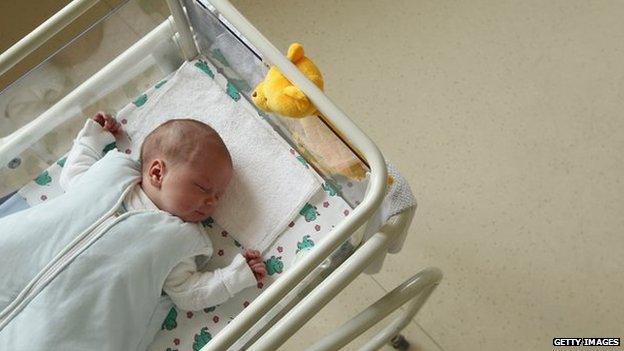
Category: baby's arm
[88,147]
[191,290]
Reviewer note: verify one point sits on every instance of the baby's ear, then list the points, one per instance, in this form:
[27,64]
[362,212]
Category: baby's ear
[156,172]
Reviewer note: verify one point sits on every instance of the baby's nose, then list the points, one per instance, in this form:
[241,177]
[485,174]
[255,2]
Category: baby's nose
[210,201]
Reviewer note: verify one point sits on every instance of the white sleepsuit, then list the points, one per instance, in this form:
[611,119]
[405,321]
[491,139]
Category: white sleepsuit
[188,288]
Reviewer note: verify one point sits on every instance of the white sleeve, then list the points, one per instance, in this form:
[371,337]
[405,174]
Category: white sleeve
[88,148]
[191,290]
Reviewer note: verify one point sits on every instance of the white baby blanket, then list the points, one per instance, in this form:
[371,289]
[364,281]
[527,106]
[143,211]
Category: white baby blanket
[269,186]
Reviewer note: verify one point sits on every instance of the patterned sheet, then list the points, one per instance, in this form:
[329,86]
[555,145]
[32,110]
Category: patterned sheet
[186,330]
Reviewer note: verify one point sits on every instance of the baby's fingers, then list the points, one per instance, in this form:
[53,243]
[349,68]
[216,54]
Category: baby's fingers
[259,275]
[252,254]
[111,124]
[108,122]
[99,118]
[259,268]
[113,127]
[248,254]
[253,262]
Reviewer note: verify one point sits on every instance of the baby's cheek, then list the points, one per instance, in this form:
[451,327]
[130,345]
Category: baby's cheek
[185,204]
[177,203]
[193,202]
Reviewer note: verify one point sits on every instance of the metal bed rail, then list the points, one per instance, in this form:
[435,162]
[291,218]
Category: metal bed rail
[414,292]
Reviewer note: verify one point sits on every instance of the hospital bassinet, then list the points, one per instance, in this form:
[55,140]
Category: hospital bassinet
[36,135]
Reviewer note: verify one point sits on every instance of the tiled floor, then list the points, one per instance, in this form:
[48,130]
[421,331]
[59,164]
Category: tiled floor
[505,118]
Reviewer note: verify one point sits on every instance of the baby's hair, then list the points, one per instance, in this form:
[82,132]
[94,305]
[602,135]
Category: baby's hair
[181,140]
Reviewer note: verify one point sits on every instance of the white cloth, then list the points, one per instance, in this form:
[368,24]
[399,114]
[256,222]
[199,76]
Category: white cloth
[269,186]
[188,288]
[399,198]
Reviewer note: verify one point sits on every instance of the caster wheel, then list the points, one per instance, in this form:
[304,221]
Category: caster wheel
[400,343]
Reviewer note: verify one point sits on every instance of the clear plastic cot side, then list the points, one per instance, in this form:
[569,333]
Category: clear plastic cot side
[64,86]
[103,68]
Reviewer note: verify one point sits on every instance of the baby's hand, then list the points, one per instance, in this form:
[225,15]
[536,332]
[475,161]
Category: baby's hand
[107,122]
[254,260]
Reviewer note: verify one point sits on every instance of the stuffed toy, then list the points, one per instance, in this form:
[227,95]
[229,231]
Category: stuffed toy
[276,94]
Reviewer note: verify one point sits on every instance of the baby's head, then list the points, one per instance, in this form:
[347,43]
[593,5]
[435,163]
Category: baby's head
[185,168]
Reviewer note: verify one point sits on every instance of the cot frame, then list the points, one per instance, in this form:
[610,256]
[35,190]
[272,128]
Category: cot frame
[413,292]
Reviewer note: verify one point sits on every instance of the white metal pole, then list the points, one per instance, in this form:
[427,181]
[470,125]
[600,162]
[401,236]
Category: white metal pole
[372,199]
[41,34]
[400,322]
[416,290]
[183,27]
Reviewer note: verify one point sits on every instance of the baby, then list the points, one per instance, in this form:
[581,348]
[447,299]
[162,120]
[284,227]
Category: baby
[122,233]
[185,169]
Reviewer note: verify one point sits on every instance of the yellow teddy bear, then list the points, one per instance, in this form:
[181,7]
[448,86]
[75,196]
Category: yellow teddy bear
[276,94]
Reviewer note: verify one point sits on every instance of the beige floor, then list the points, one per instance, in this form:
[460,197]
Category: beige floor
[504,116]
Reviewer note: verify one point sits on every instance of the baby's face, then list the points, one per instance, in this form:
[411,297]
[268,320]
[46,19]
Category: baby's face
[191,190]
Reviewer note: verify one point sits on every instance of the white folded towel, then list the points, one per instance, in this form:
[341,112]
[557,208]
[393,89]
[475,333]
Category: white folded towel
[269,186]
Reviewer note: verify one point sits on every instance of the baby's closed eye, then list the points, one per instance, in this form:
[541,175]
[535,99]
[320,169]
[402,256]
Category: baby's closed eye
[204,189]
